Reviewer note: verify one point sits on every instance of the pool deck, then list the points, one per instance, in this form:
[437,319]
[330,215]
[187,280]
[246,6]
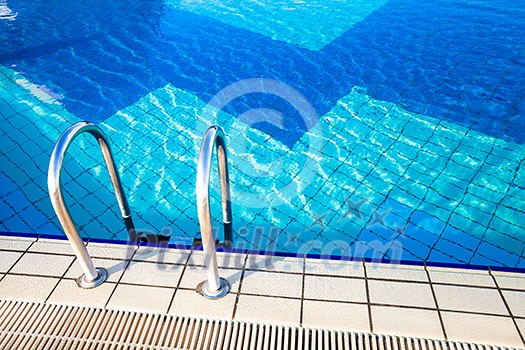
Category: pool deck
[473,306]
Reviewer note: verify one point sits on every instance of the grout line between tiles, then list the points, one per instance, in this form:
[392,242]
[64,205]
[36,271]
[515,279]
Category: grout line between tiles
[33,251]
[49,253]
[508,307]
[127,263]
[17,260]
[33,275]
[277,272]
[234,312]
[441,322]
[301,315]
[369,307]
[60,279]
[179,282]
[472,312]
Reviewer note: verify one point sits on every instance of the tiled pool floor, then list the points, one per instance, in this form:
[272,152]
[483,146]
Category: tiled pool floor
[479,306]
[388,183]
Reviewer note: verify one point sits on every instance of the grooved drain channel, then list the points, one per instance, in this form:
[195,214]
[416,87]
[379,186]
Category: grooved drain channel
[26,325]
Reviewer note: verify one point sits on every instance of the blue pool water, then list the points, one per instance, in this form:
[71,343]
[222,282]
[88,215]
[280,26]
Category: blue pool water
[412,149]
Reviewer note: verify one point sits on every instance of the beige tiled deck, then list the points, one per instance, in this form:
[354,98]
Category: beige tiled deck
[408,321]
[436,303]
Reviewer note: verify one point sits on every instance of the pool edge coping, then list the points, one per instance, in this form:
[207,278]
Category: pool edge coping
[279,254]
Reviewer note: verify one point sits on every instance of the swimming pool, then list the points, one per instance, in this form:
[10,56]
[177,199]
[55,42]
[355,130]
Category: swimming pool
[377,129]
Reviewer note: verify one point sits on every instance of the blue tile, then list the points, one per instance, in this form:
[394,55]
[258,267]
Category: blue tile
[37,219]
[5,210]
[428,222]
[404,198]
[372,249]
[482,191]
[471,226]
[453,250]
[510,228]
[461,237]
[51,229]
[449,187]
[409,245]
[17,199]
[440,257]
[492,255]
[16,224]
[7,185]
[459,171]
[513,245]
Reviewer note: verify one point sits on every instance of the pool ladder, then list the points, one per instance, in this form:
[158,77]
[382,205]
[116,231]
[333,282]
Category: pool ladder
[214,287]
[92,276]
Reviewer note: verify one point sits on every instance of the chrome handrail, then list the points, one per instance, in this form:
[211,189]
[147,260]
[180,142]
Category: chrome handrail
[214,287]
[91,277]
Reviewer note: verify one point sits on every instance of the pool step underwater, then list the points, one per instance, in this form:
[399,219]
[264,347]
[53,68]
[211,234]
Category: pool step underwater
[26,325]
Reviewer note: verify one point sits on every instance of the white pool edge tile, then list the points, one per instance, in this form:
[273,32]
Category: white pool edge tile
[280,297]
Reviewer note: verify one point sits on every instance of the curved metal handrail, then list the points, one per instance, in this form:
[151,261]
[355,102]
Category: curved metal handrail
[91,276]
[215,287]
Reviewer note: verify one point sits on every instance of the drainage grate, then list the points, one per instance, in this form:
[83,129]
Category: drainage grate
[25,325]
